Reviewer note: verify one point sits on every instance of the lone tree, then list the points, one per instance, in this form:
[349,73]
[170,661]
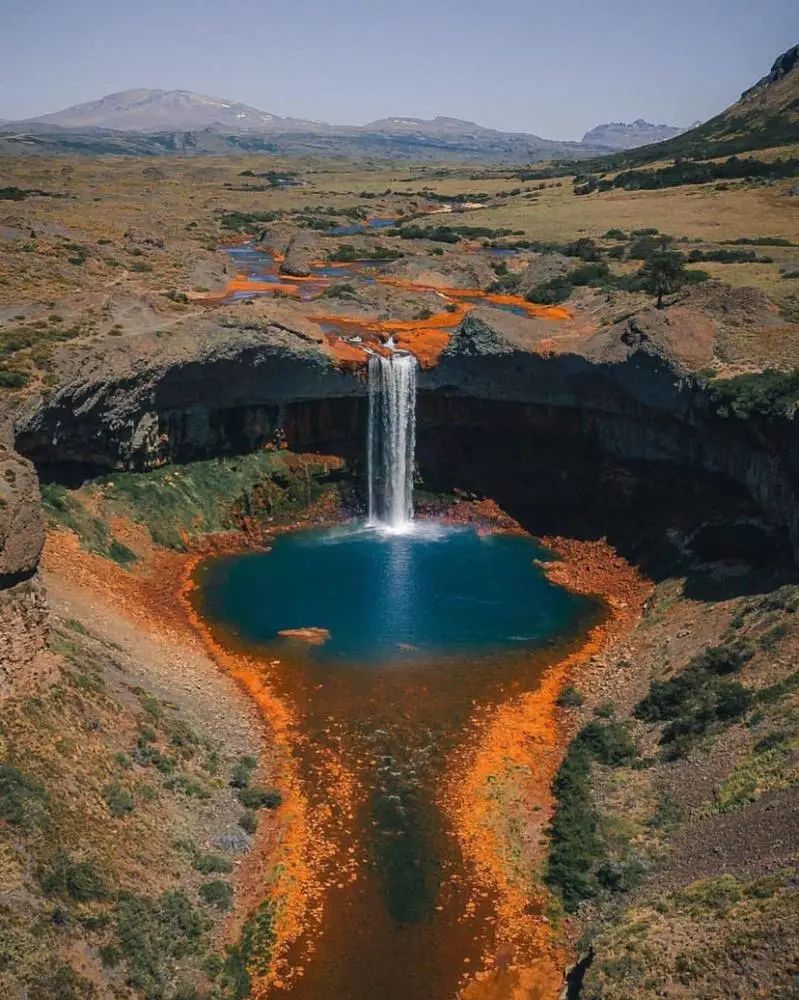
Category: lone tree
[662,274]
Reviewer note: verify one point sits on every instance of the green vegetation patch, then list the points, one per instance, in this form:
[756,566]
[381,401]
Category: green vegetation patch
[579,865]
[177,503]
[700,699]
[250,956]
[769,395]
[66,510]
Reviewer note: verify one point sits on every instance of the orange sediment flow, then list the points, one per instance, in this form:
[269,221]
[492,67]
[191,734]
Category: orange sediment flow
[425,338]
[241,283]
[298,872]
[498,798]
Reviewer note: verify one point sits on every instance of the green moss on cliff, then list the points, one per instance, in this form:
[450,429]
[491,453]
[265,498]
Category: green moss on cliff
[178,503]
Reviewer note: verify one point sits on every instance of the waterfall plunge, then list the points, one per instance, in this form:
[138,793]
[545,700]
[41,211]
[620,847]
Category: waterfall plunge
[391,440]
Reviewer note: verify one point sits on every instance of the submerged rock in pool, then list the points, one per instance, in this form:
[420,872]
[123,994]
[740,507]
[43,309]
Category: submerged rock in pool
[316,636]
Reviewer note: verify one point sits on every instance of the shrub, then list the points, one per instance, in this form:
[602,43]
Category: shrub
[584,248]
[609,744]
[550,292]
[118,799]
[212,864]
[242,772]
[569,697]
[79,880]
[343,291]
[12,379]
[767,395]
[251,953]
[589,274]
[577,851]
[260,798]
[218,894]
[152,934]
[248,822]
[21,798]
[698,698]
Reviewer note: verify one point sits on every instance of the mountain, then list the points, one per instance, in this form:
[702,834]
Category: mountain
[764,116]
[623,135]
[443,128]
[144,110]
[157,122]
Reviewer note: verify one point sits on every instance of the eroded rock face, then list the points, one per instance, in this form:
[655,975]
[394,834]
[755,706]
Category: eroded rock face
[233,382]
[21,524]
[23,607]
[217,386]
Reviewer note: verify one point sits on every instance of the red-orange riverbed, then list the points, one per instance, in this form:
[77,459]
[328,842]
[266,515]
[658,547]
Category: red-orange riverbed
[491,938]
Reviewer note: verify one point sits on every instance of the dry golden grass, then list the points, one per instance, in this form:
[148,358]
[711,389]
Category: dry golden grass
[696,211]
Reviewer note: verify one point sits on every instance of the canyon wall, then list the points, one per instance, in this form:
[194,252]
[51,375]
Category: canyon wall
[229,390]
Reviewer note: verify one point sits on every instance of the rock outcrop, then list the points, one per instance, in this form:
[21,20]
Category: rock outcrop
[23,611]
[299,256]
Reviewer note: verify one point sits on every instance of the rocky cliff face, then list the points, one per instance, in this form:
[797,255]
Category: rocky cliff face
[226,388]
[23,613]
[220,388]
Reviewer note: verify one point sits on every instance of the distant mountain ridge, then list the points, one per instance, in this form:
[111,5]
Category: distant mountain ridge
[147,110]
[629,135]
[180,121]
[150,122]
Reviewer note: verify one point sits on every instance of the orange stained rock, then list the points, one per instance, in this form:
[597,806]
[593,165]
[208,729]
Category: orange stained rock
[425,345]
[344,352]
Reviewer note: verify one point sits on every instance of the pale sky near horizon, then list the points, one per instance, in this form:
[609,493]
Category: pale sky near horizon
[554,68]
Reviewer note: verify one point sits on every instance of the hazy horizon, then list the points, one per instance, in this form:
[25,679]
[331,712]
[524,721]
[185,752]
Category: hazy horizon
[523,67]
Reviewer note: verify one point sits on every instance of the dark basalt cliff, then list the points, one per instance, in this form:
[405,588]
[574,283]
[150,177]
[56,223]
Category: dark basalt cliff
[493,403]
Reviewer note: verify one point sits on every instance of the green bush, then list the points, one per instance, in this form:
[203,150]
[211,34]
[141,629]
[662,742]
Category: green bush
[569,697]
[118,799]
[699,698]
[253,951]
[212,864]
[12,379]
[152,934]
[609,744]
[577,851]
[260,798]
[242,772]
[248,822]
[21,798]
[768,395]
[550,293]
[218,894]
[79,880]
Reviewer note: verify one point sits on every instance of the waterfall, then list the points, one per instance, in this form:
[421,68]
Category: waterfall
[391,440]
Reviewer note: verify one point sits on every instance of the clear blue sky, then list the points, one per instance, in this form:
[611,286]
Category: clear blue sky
[554,68]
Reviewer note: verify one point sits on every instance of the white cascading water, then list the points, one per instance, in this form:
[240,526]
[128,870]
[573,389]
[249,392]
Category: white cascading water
[391,440]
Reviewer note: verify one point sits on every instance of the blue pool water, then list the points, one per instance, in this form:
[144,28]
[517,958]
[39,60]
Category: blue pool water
[436,591]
